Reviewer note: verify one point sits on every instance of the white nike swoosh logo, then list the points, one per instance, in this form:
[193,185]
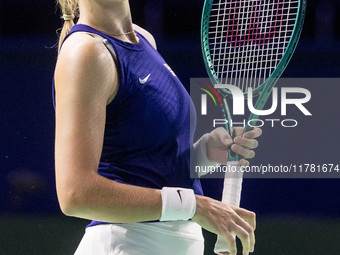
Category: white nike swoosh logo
[142,81]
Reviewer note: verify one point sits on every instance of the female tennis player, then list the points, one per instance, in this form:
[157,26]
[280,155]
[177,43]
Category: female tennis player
[123,142]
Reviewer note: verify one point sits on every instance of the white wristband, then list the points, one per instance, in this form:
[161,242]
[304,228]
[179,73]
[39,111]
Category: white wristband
[177,204]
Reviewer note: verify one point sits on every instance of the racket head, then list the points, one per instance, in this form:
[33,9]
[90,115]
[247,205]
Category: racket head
[250,42]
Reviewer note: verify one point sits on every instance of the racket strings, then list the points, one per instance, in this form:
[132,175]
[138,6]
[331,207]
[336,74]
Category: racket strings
[247,39]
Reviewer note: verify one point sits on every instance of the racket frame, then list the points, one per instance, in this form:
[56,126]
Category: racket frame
[265,89]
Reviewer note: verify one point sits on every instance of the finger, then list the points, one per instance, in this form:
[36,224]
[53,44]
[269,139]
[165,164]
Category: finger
[252,243]
[249,216]
[240,150]
[246,142]
[250,229]
[238,131]
[244,236]
[254,133]
[222,135]
[244,162]
[231,242]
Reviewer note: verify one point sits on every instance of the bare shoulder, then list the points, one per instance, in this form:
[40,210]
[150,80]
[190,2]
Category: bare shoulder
[82,45]
[146,34]
[85,63]
[81,50]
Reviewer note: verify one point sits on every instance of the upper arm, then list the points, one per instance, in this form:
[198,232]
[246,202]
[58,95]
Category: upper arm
[85,80]
[146,34]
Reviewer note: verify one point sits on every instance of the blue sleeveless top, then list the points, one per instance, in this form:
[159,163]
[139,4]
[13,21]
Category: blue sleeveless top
[147,136]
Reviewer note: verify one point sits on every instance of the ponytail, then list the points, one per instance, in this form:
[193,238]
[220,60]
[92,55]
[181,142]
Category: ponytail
[68,9]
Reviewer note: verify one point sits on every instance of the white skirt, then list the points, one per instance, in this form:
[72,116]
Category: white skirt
[153,238]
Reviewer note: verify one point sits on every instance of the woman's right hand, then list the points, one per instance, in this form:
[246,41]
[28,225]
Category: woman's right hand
[226,220]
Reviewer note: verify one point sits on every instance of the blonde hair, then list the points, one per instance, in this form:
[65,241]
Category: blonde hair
[69,9]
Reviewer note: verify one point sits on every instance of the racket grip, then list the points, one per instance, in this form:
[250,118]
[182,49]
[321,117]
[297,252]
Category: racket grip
[232,188]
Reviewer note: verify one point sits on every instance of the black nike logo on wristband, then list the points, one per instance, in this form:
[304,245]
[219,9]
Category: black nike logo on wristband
[179,193]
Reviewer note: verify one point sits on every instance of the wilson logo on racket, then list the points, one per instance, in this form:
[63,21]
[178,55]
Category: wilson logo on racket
[248,25]
[204,98]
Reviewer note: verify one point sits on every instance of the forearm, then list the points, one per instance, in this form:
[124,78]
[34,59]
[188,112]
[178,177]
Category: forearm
[98,198]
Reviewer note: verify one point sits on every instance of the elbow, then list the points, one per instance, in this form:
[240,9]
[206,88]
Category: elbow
[70,202]
[67,208]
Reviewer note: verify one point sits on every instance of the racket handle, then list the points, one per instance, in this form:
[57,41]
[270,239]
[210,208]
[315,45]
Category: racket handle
[232,188]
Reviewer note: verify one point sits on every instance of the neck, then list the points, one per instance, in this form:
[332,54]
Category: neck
[112,17]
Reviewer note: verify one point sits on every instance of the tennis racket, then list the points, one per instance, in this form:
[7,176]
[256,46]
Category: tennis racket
[248,44]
